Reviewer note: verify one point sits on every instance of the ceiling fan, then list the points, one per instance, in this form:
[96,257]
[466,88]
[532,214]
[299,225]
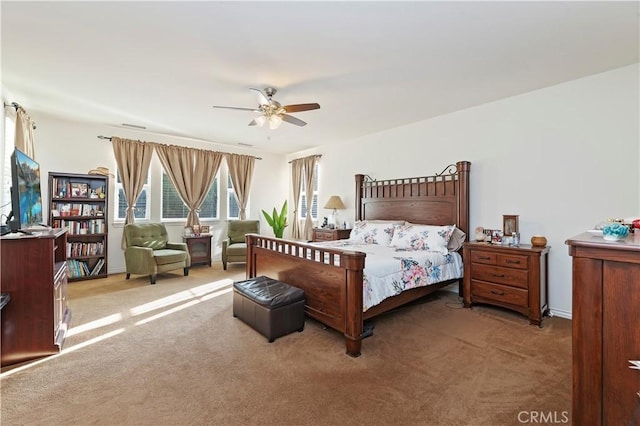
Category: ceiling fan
[272,112]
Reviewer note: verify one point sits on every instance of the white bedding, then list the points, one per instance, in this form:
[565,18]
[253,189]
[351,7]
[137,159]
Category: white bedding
[388,272]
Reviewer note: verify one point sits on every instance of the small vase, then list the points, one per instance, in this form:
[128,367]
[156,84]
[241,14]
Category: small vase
[538,241]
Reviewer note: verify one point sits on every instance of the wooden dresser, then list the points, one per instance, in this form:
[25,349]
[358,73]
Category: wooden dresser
[34,275]
[511,277]
[322,234]
[606,330]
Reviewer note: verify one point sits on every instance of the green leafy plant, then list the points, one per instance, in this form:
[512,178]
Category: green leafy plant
[276,221]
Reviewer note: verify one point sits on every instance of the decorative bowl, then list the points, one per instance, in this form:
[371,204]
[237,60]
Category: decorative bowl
[538,241]
[614,231]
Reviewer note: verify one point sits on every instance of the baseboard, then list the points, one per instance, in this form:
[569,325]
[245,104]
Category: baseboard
[560,313]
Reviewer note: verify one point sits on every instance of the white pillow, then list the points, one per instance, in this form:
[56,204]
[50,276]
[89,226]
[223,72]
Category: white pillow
[422,237]
[367,232]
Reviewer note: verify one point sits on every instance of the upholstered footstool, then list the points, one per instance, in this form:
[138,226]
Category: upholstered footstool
[271,307]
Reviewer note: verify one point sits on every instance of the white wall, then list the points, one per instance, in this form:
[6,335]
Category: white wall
[562,158]
[71,147]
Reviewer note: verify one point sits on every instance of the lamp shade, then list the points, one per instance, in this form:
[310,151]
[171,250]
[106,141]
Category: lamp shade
[334,203]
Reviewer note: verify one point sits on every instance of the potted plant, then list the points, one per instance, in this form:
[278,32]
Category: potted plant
[276,221]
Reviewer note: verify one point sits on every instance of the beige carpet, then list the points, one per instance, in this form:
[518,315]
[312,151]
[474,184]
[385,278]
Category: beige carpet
[172,354]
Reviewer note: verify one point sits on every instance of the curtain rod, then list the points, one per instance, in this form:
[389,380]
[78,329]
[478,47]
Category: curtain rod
[109,138]
[317,156]
[17,106]
[13,104]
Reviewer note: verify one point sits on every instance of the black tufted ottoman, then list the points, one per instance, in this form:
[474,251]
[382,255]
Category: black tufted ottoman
[271,307]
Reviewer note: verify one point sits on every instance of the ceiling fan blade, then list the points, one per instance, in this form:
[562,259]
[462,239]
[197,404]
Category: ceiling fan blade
[292,120]
[301,107]
[263,98]
[238,108]
[253,123]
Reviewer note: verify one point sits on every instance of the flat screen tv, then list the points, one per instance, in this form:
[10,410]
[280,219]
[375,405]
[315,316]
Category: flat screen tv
[26,195]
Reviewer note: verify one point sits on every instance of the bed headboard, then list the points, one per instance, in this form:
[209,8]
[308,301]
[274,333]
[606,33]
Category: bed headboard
[441,199]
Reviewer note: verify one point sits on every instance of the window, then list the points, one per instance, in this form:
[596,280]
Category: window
[233,209]
[141,209]
[314,196]
[174,208]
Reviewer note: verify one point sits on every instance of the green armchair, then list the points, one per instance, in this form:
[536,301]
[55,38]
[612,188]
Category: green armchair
[149,251]
[234,247]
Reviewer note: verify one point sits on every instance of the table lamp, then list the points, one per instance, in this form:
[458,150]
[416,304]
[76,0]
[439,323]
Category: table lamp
[334,203]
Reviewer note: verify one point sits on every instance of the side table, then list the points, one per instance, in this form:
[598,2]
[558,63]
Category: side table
[199,249]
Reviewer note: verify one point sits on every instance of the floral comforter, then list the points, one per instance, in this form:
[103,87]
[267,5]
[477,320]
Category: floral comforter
[388,272]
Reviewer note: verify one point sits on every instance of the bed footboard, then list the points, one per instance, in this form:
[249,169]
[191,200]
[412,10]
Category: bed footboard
[331,280]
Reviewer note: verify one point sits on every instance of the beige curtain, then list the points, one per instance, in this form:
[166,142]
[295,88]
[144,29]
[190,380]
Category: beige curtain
[192,172]
[241,173]
[132,158]
[296,179]
[309,174]
[24,133]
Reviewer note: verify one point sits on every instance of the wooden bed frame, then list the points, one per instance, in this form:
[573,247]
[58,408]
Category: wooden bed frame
[332,279]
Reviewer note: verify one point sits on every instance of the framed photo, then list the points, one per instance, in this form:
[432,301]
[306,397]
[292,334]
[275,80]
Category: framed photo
[496,236]
[79,189]
[204,229]
[510,224]
[195,229]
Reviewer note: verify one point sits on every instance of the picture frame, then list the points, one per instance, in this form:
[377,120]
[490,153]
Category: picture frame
[204,229]
[496,236]
[509,224]
[196,230]
[187,232]
[79,189]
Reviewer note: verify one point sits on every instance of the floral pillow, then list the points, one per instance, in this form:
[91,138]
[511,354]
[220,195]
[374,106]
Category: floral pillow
[365,232]
[422,237]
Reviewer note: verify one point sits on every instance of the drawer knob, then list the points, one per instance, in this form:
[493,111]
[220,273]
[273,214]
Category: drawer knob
[498,275]
[484,257]
[516,262]
[497,292]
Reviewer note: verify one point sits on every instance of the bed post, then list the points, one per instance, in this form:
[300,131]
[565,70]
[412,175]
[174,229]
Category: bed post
[354,266]
[251,265]
[463,195]
[358,200]
[463,207]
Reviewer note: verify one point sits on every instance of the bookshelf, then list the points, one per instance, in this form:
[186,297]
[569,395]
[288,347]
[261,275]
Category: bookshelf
[79,203]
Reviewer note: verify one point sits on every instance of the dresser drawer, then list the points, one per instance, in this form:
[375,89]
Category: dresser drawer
[512,261]
[500,293]
[500,275]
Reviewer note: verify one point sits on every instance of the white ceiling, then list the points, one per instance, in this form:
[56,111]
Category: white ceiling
[370,65]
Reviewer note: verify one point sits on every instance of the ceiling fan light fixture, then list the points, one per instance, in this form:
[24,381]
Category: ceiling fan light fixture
[274,122]
[260,120]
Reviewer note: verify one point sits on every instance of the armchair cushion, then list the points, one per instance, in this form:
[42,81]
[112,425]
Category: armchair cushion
[239,228]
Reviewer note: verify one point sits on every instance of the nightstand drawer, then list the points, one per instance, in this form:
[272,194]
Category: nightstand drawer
[500,293]
[323,236]
[513,261]
[500,275]
[484,257]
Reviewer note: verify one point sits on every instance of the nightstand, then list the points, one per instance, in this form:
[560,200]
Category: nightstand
[323,234]
[511,277]
[199,249]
